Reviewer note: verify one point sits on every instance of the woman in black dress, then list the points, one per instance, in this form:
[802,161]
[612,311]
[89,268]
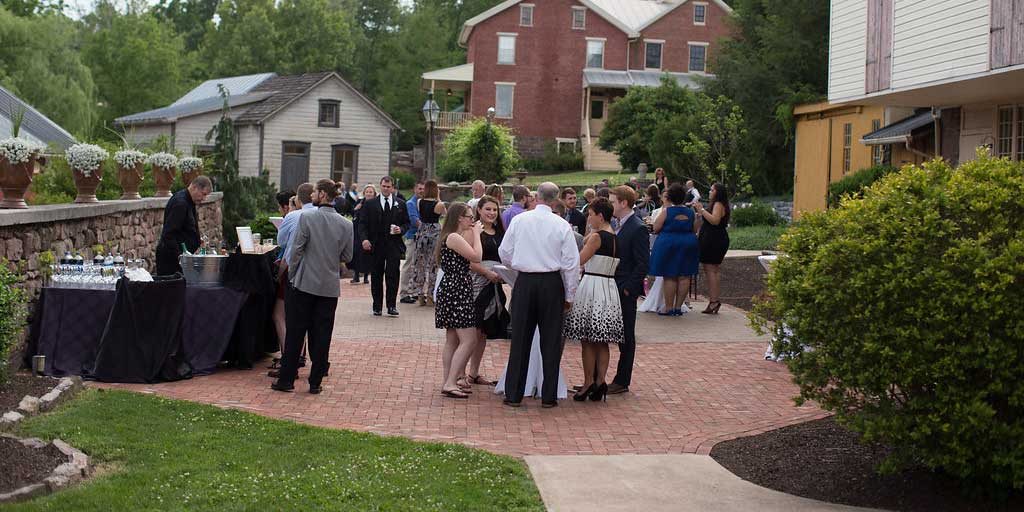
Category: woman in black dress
[660,180]
[714,241]
[488,295]
[361,260]
[457,247]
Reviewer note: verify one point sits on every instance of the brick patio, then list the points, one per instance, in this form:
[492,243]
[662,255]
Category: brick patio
[698,380]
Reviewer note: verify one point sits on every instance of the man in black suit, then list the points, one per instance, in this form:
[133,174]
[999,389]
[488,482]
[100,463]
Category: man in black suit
[384,221]
[576,219]
[633,243]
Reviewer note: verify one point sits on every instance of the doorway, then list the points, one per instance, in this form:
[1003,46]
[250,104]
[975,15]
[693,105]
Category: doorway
[294,164]
[345,163]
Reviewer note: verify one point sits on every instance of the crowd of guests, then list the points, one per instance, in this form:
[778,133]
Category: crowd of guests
[581,264]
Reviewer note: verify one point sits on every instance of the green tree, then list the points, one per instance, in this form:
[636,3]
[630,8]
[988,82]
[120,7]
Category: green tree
[28,8]
[776,58]
[715,143]
[376,22]
[313,36]
[244,42]
[479,150]
[191,18]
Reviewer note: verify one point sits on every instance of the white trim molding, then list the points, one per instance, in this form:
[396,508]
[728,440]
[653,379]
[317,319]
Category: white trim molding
[661,56]
[705,21]
[572,22]
[511,100]
[532,12]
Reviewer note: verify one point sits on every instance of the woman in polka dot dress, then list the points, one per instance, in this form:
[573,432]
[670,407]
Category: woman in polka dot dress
[458,246]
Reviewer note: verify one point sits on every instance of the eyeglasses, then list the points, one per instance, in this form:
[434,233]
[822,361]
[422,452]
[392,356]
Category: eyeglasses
[468,216]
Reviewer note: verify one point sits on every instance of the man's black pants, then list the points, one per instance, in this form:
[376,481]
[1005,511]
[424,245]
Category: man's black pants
[305,313]
[537,301]
[627,349]
[385,268]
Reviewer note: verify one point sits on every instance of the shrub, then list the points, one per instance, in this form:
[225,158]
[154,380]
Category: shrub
[12,316]
[403,179]
[855,183]
[904,315]
[262,225]
[478,150]
[757,214]
[555,161]
[55,185]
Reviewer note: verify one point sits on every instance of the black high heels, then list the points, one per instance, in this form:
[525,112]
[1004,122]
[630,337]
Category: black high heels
[582,394]
[599,394]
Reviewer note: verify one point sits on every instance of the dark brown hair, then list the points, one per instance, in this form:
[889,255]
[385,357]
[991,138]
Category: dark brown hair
[499,228]
[602,207]
[430,190]
[328,187]
[451,225]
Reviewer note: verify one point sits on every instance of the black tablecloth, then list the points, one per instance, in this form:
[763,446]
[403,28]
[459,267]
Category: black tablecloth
[254,333]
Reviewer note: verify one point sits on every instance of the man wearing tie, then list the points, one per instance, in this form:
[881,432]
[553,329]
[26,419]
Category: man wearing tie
[385,220]
[633,242]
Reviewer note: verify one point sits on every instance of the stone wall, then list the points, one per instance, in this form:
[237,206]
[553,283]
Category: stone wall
[129,227]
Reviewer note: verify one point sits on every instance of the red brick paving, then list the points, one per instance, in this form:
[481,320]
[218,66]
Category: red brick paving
[385,378]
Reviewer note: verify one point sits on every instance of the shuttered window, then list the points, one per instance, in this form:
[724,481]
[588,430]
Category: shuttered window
[1006,33]
[847,146]
[878,71]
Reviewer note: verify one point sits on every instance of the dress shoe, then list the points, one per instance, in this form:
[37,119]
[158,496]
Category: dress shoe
[548,405]
[315,390]
[377,312]
[616,389]
[355,281]
[511,403]
[273,373]
[408,299]
[278,386]
[392,312]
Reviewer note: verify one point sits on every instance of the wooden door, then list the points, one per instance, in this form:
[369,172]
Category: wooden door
[878,66]
[344,162]
[812,166]
[294,164]
[598,114]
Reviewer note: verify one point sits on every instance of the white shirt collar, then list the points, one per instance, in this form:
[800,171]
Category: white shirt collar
[542,207]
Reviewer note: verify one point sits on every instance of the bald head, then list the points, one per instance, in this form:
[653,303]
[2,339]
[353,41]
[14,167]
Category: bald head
[547,193]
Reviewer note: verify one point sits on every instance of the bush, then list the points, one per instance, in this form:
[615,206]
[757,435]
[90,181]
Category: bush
[403,179]
[12,316]
[905,316]
[478,150]
[555,161]
[757,214]
[855,183]
[55,185]
[262,225]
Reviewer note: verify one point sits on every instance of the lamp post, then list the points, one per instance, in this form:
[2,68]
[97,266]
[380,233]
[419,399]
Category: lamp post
[430,114]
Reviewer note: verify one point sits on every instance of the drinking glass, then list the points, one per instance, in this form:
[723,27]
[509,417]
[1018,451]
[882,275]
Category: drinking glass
[256,238]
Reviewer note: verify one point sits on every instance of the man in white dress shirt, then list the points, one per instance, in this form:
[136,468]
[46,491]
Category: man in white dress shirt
[542,249]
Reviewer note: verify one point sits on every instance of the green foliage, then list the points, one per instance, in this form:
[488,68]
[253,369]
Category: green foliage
[55,185]
[403,179]
[555,161]
[755,238]
[756,214]
[12,315]
[191,18]
[262,225]
[715,143]
[777,58]
[478,150]
[905,316]
[854,184]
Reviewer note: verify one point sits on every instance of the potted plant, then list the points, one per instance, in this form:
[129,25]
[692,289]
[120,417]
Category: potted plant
[18,157]
[129,172]
[86,162]
[164,165]
[190,167]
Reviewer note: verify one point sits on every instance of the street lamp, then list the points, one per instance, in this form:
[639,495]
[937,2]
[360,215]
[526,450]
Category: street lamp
[430,114]
[490,115]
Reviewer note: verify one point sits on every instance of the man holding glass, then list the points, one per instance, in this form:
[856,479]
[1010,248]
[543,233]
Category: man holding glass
[384,222]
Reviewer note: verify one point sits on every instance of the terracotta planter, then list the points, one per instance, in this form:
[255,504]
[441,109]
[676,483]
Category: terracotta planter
[87,185]
[130,179]
[187,177]
[15,180]
[164,179]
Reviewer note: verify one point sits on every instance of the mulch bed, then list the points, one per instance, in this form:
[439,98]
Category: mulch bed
[742,279]
[824,461]
[22,384]
[21,465]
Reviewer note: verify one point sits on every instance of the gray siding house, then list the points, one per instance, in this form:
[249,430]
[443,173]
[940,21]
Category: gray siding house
[298,128]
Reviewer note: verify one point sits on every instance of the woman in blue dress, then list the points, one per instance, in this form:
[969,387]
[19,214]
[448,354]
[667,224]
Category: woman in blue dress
[676,252]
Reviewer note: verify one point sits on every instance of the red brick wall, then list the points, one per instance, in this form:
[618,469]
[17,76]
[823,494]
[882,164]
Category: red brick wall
[548,72]
[676,28]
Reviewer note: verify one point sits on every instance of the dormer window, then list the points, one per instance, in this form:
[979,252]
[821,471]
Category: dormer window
[579,18]
[329,113]
[700,13]
[525,15]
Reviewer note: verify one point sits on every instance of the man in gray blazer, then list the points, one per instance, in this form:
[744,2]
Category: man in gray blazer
[322,240]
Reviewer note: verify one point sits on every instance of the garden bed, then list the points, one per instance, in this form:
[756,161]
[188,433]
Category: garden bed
[824,461]
[22,384]
[22,465]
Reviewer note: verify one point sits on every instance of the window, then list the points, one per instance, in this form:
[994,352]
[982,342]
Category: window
[652,54]
[344,161]
[700,12]
[595,53]
[847,139]
[565,145]
[1010,132]
[503,95]
[296,148]
[596,109]
[579,18]
[328,113]
[506,48]
[525,15]
[698,57]
[876,150]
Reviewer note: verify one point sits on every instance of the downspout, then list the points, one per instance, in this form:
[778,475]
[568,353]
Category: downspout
[259,170]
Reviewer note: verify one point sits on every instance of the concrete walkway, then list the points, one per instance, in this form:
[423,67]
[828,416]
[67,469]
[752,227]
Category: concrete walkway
[652,483]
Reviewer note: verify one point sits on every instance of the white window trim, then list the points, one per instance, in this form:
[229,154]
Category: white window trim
[661,64]
[564,140]
[586,53]
[532,11]
[573,19]
[513,35]
[697,43]
[511,103]
[700,23]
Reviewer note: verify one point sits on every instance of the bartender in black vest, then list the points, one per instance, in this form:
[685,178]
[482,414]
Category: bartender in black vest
[181,225]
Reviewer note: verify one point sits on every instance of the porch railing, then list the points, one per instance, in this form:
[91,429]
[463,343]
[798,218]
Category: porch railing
[451,120]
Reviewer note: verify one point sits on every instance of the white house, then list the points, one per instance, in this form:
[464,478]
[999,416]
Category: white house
[298,128]
[963,59]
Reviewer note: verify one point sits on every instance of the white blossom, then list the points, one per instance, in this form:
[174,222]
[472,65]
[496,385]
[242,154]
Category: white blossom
[86,158]
[17,150]
[165,160]
[129,158]
[190,164]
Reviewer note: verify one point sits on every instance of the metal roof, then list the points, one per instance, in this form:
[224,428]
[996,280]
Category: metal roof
[456,77]
[899,131]
[285,89]
[625,79]
[175,111]
[236,85]
[35,126]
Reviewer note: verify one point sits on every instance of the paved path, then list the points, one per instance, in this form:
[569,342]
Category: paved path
[699,379]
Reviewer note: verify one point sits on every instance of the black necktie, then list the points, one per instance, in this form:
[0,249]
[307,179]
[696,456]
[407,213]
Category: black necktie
[387,206]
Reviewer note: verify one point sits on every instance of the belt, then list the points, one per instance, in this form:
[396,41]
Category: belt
[539,273]
[598,275]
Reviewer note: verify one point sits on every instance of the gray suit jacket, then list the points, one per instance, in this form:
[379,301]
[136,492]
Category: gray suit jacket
[322,240]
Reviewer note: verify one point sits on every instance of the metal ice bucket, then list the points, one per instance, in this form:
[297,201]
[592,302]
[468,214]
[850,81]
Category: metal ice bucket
[203,270]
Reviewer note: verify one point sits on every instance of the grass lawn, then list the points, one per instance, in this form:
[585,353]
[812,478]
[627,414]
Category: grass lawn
[588,178]
[173,455]
[755,238]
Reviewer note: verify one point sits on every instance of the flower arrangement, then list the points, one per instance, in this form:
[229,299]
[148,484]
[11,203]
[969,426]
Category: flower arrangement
[17,150]
[165,160]
[129,158]
[189,165]
[86,158]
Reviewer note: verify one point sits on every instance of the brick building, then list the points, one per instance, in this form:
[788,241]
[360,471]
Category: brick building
[551,68]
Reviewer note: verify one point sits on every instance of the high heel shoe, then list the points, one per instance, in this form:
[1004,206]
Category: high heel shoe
[582,394]
[599,394]
[712,308]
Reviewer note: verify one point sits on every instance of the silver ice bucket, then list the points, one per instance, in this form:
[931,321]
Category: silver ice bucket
[203,270]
